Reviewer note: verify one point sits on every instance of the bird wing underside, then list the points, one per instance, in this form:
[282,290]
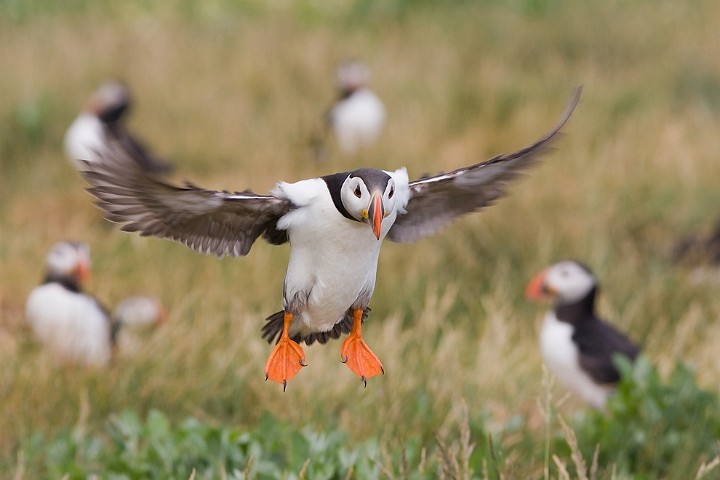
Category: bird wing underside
[436,201]
[213,222]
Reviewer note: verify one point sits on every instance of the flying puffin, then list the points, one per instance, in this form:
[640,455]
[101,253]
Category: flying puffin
[74,326]
[578,347]
[102,120]
[335,225]
[358,115]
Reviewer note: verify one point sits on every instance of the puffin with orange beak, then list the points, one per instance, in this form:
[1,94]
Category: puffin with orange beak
[578,347]
[334,255]
[73,326]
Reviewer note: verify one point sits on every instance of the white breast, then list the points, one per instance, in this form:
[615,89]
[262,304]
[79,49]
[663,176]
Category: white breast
[84,139]
[561,357]
[332,259]
[71,326]
[358,120]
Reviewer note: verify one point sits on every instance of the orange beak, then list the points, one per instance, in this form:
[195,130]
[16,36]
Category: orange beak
[83,271]
[162,315]
[376,213]
[536,289]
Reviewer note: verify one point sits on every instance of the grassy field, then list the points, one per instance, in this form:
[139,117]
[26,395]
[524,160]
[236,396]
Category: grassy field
[231,92]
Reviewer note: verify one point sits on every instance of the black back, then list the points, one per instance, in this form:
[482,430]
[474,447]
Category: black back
[597,342]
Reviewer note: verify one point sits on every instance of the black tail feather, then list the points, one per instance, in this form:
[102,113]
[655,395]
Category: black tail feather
[273,327]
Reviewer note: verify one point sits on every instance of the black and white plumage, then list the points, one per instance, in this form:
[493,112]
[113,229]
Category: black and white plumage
[73,326]
[333,259]
[358,115]
[103,120]
[578,347]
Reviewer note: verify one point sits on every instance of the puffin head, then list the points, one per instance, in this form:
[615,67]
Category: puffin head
[565,282]
[140,313]
[369,195]
[69,260]
[110,102]
[352,75]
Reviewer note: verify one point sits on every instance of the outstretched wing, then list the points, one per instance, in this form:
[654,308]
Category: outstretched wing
[212,222]
[436,201]
[137,150]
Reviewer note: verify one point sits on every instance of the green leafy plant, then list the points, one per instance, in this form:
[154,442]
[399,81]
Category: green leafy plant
[651,425]
[153,448]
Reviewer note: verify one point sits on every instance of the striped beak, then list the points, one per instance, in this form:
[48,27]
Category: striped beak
[376,213]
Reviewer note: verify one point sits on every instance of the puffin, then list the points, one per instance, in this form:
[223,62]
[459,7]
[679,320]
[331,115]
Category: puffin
[335,225]
[698,248]
[358,115]
[102,119]
[74,326]
[577,345]
[133,319]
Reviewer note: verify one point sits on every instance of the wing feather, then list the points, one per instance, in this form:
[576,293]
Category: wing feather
[436,201]
[213,222]
[596,351]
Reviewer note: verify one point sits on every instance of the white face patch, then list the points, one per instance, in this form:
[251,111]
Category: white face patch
[569,281]
[356,196]
[64,257]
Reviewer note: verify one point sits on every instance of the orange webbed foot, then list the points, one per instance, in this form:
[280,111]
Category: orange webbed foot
[357,355]
[286,359]
[362,361]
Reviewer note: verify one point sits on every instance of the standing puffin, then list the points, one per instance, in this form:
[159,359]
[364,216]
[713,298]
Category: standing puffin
[358,115]
[578,347]
[72,325]
[103,120]
[335,225]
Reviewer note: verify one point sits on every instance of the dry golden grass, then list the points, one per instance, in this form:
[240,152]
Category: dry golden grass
[231,96]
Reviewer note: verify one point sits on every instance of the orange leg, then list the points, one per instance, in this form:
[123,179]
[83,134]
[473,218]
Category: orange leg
[286,359]
[357,355]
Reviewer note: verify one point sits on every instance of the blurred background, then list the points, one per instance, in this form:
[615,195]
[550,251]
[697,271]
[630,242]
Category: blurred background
[232,93]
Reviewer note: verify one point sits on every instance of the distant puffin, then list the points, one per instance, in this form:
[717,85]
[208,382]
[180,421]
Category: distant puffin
[578,347]
[358,115]
[102,120]
[697,248]
[73,326]
[133,319]
[334,255]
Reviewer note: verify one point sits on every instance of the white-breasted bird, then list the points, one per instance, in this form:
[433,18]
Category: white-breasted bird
[334,255]
[74,326]
[578,347]
[358,115]
[134,318]
[102,120]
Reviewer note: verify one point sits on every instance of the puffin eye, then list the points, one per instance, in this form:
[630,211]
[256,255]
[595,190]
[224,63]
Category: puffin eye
[357,192]
[391,193]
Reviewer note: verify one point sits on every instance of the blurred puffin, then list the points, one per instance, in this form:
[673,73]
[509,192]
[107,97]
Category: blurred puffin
[74,326]
[103,119]
[697,248]
[358,115]
[335,225]
[578,347]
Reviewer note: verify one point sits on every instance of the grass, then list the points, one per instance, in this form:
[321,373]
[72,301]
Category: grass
[230,91]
